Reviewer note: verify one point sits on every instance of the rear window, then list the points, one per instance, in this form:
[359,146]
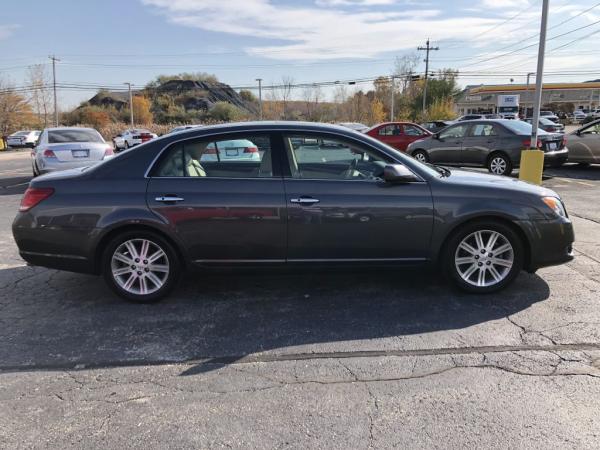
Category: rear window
[520,127]
[64,136]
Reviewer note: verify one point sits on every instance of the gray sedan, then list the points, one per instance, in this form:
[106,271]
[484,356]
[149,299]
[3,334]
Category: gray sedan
[584,144]
[495,144]
[346,200]
[67,148]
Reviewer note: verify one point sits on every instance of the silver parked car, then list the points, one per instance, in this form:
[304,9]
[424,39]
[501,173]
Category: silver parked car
[584,144]
[23,138]
[68,148]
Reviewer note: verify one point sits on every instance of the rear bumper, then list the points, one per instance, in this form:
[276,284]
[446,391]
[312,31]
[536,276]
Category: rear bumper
[44,166]
[556,157]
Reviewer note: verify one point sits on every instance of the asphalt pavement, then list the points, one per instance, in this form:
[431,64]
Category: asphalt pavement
[377,359]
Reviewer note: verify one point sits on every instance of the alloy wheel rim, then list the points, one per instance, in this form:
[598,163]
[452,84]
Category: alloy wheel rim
[140,266]
[484,258]
[420,157]
[498,166]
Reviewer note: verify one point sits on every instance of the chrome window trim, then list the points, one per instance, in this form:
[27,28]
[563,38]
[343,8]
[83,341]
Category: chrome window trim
[266,130]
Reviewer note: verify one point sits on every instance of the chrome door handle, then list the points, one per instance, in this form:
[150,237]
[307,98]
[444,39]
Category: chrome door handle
[304,200]
[169,199]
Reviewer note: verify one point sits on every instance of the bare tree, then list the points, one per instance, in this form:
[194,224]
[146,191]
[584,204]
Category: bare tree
[312,96]
[40,96]
[404,69]
[287,83]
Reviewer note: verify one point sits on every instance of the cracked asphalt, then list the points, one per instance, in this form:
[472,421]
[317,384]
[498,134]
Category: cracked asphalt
[374,359]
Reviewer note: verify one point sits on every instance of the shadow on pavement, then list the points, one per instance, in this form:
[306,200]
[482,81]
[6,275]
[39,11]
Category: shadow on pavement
[575,171]
[55,319]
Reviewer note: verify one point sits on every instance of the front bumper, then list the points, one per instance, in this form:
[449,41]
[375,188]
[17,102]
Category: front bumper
[551,242]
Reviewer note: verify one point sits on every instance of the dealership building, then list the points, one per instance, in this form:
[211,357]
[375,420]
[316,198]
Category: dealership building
[484,98]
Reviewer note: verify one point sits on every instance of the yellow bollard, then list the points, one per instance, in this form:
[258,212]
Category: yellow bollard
[2,146]
[532,166]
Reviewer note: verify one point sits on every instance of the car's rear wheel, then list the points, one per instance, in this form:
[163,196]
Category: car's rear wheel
[499,164]
[140,266]
[421,156]
[126,145]
[483,256]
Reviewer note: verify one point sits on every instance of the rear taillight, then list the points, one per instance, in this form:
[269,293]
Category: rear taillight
[210,151]
[49,153]
[108,152]
[564,142]
[33,196]
[527,143]
[250,150]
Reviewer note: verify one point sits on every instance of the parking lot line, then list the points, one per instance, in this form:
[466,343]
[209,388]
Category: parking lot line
[585,184]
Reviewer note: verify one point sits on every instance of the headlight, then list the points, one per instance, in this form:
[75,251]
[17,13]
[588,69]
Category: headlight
[555,205]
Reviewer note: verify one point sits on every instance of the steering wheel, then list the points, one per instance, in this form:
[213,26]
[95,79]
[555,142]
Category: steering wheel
[352,169]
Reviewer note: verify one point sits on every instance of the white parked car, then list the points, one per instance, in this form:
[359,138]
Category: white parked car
[24,138]
[132,137]
[579,115]
[68,148]
[234,150]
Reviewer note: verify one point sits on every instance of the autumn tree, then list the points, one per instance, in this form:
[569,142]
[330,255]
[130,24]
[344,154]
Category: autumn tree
[141,110]
[15,111]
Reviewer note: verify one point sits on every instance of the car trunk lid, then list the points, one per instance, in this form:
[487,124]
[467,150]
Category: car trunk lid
[77,151]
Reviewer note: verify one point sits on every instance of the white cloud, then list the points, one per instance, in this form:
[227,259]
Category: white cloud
[315,33]
[7,30]
[515,5]
[330,3]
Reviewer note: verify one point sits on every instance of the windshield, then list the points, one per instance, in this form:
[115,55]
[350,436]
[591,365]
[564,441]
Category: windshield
[74,135]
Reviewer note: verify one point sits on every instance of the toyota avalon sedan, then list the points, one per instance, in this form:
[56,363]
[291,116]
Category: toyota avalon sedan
[495,144]
[335,198]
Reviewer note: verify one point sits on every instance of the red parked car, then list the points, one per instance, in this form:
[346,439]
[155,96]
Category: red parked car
[398,134]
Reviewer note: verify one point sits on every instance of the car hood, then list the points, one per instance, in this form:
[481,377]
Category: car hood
[476,179]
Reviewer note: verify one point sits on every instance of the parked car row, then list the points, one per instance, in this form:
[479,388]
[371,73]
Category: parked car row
[132,137]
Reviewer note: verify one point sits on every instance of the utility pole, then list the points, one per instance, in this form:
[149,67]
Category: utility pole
[392,104]
[539,77]
[527,90]
[427,49]
[130,104]
[54,59]
[260,112]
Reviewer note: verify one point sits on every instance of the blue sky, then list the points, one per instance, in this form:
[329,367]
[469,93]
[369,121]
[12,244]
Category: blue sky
[109,42]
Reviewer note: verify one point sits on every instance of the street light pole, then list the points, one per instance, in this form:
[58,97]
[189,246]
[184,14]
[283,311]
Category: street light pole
[130,104]
[539,77]
[392,101]
[527,90]
[260,109]
[54,59]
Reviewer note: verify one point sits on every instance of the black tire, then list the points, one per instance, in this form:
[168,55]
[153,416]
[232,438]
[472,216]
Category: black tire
[126,145]
[451,270]
[499,164]
[172,276]
[421,156]
[36,172]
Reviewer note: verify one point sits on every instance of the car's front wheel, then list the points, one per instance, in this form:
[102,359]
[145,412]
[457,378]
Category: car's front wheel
[499,164]
[483,256]
[140,266]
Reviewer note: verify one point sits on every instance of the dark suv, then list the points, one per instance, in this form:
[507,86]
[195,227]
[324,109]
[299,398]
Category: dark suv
[495,144]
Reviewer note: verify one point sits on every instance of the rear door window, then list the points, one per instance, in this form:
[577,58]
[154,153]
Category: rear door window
[243,156]
[457,131]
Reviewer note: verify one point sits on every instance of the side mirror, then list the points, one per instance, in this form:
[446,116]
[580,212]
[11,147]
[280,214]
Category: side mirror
[397,173]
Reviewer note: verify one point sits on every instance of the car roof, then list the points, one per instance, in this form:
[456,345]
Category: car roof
[71,128]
